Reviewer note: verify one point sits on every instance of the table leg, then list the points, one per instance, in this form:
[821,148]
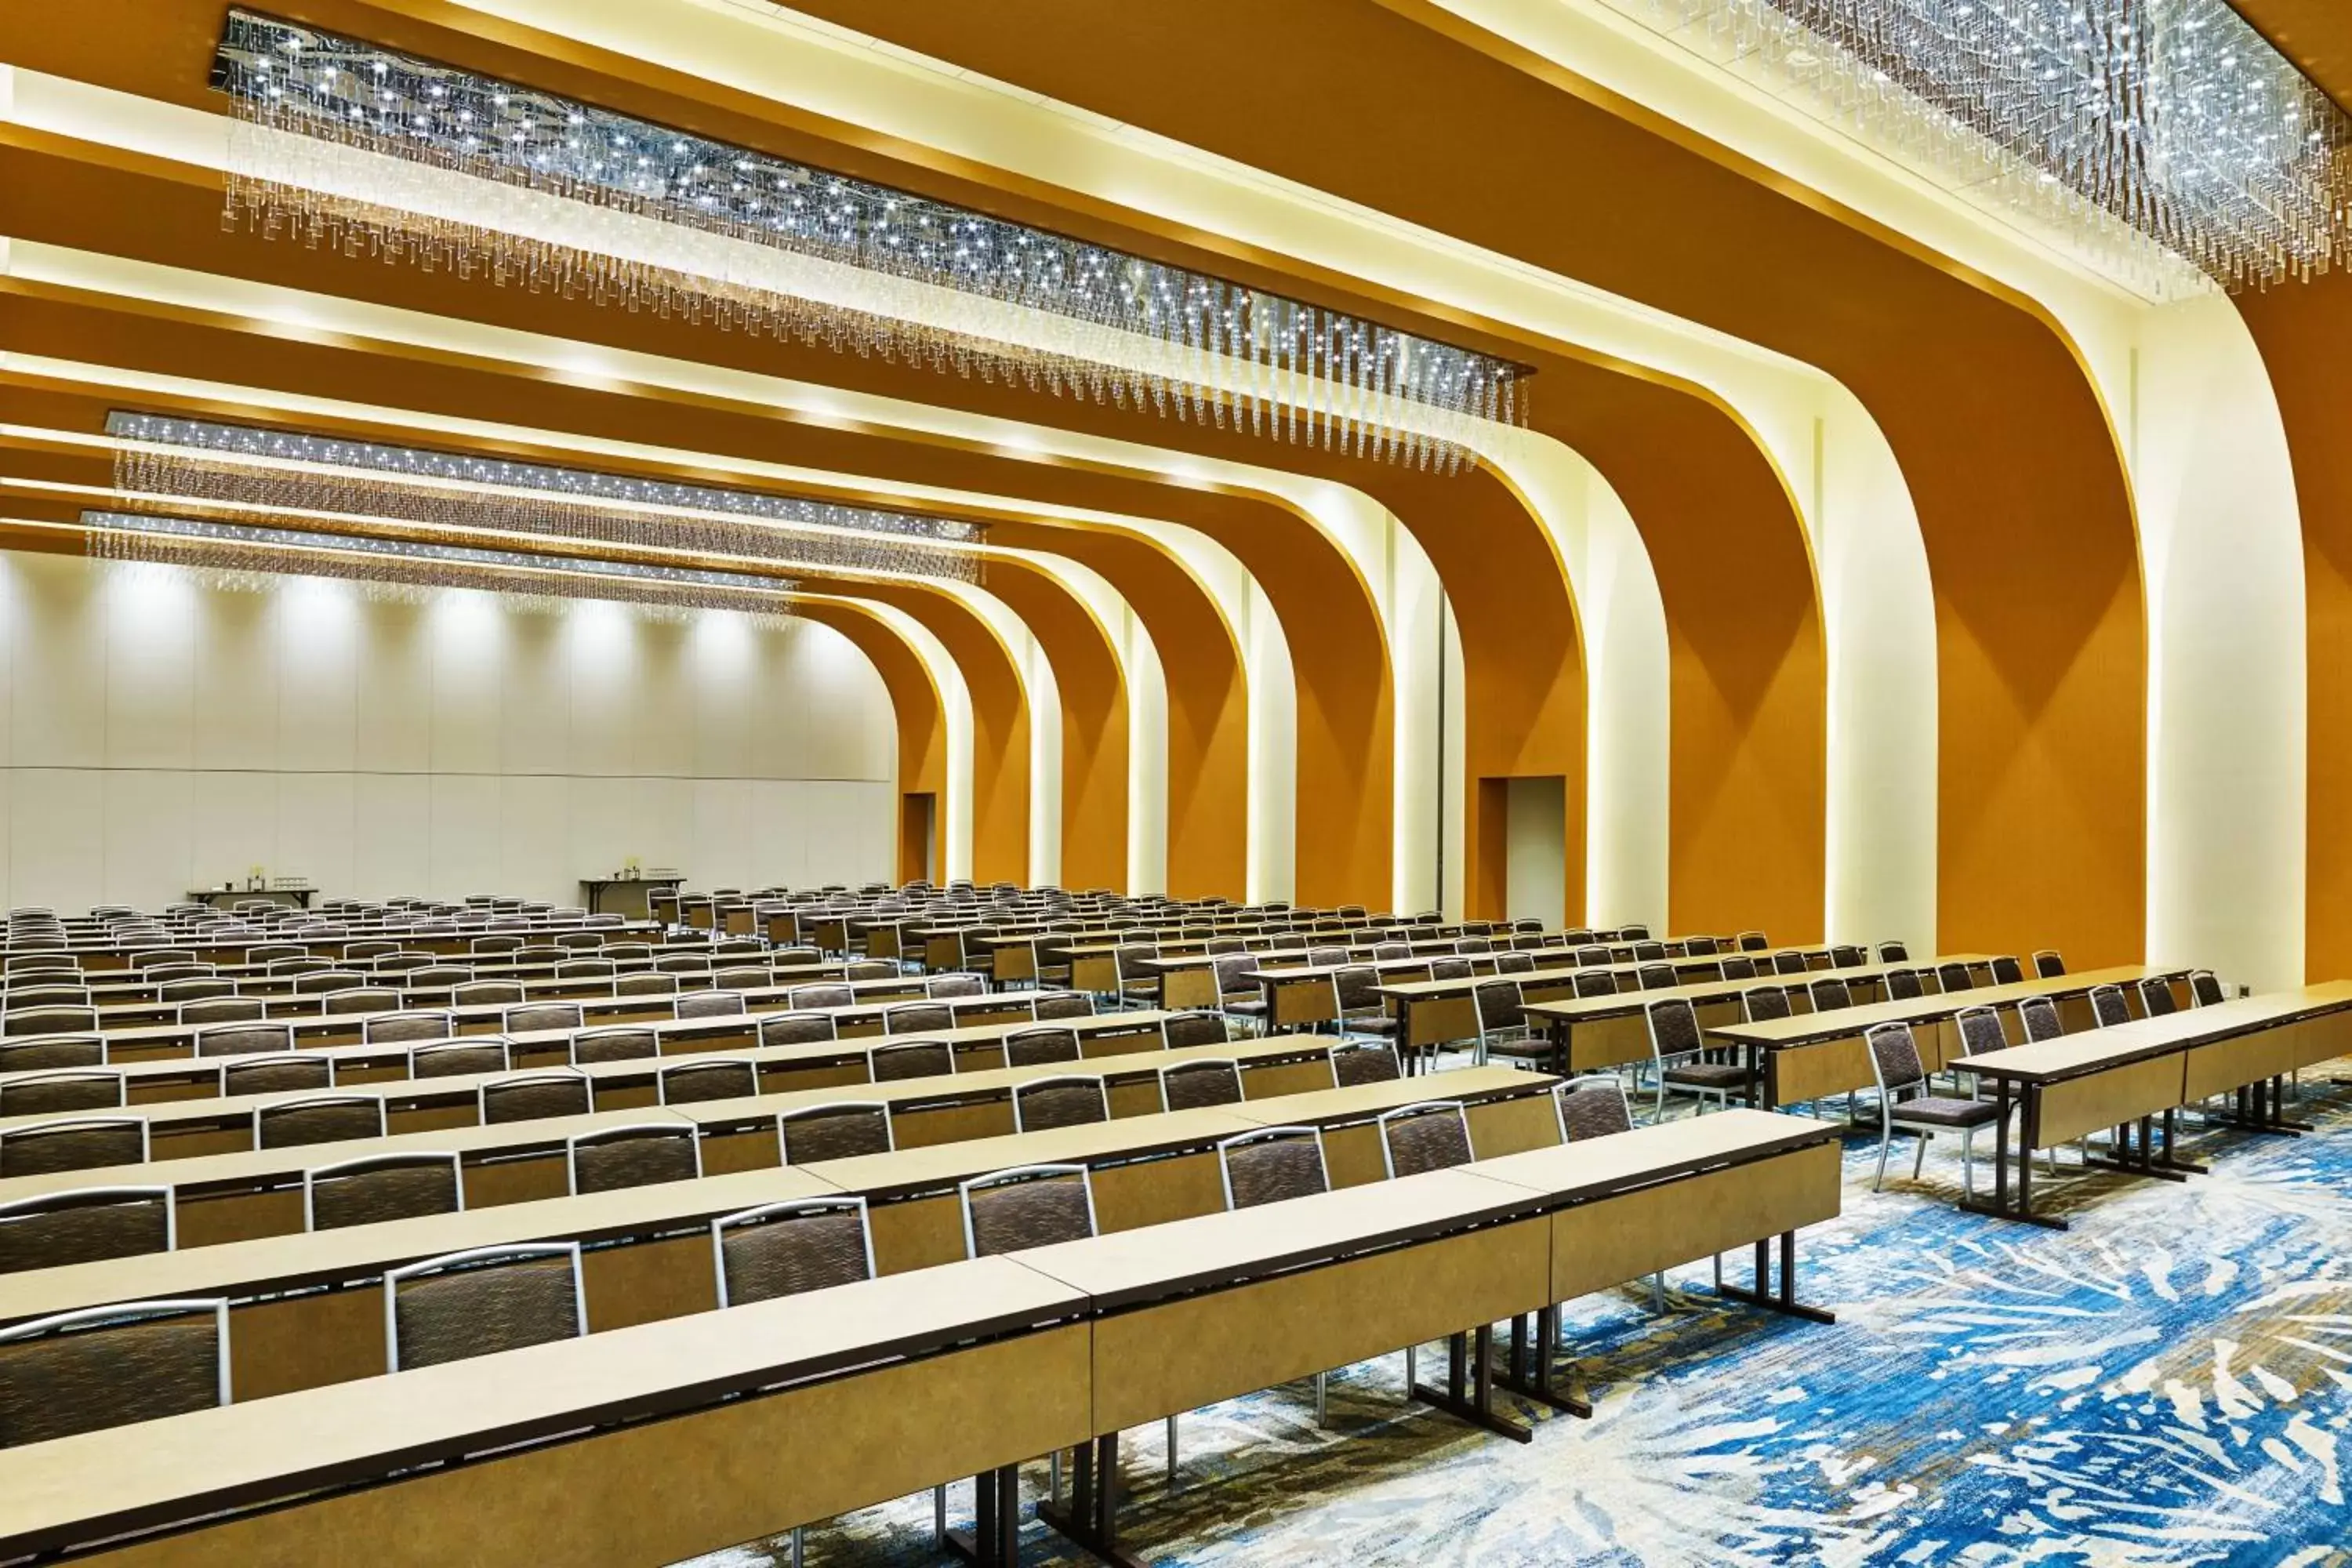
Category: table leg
[1091,1518]
[1784,1298]
[1457,1398]
[1536,1383]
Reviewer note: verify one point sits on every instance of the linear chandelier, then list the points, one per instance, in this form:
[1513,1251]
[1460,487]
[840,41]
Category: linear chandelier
[374,152]
[2155,139]
[238,556]
[251,466]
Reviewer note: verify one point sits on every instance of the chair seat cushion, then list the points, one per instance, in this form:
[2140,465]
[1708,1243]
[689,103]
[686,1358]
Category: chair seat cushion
[1370,1023]
[1710,1075]
[1248,1006]
[1932,1110]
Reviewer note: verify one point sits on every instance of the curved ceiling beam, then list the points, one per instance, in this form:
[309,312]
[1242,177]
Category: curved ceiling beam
[2008,454]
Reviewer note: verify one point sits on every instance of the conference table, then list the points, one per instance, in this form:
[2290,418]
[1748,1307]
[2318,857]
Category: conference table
[2130,1081]
[664,1440]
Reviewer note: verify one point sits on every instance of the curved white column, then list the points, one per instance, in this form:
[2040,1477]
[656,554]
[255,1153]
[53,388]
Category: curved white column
[955,708]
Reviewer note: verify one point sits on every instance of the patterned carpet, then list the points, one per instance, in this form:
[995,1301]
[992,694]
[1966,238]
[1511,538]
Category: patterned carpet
[2166,1384]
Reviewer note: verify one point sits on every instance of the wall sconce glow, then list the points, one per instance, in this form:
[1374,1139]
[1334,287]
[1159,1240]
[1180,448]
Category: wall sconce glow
[375,152]
[248,465]
[232,555]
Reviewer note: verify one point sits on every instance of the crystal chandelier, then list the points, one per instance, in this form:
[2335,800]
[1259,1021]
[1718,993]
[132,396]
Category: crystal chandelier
[377,152]
[234,555]
[2155,139]
[254,467]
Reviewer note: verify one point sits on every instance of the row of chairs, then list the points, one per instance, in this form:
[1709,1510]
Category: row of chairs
[76,1140]
[276,959]
[147,1359]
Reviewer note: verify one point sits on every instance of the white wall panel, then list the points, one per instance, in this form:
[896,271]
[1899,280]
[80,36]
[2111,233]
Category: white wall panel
[160,730]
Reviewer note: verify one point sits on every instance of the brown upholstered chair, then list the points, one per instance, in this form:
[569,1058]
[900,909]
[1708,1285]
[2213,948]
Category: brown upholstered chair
[277,1072]
[194,989]
[361,999]
[1904,985]
[742,977]
[85,1226]
[1758,1003]
[541,1015]
[223,1010]
[1270,1164]
[1198,1085]
[74,1144]
[916,1018]
[110,1366]
[2007,970]
[586,969]
[1682,1059]
[823,995]
[2039,1014]
[2108,1008]
[791,1247]
[646,983]
[1188,1029]
[1034,1047]
[1591,1107]
[401,1027]
[23,998]
[1904,1101]
[244,1039]
[1030,1206]
[378,1187]
[2204,990]
[639,1156]
[1053,1005]
[2155,998]
[534,1096]
[621,1043]
[327,1119]
[692,1082]
[1830,995]
[958,984]
[913,1059]
[1364,1061]
[50,1052]
[1595,983]
[487,993]
[840,1130]
[2048,965]
[459,1057]
[1430,1136]
[482,1301]
[1073,1100]
[710,1005]
[51,1021]
[60,1090]
[797,1029]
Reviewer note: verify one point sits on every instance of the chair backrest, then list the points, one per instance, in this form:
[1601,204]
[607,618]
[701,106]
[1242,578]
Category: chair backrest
[646,983]
[277,1072]
[916,1017]
[1649,952]
[326,1119]
[1848,955]
[622,1043]
[402,1026]
[1895,1058]
[377,1187]
[1656,977]
[639,1156]
[223,1010]
[710,1005]
[541,1015]
[1674,1028]
[58,1051]
[1596,983]
[60,1090]
[912,1058]
[741,977]
[870,969]
[1738,967]
[788,1248]
[2048,965]
[110,1366]
[2108,1008]
[1498,1004]
[453,1059]
[586,969]
[1894,952]
[18,999]
[1903,984]
[1063,1005]
[195,989]
[487,993]
[1788,960]
[1450,969]
[1980,1031]
[361,999]
[246,1039]
[798,1028]
[1593,1107]
[1030,1206]
[840,1130]
[2155,998]
[533,1096]
[1830,995]
[75,1143]
[2040,1016]
[1197,1085]
[2204,989]
[1271,1163]
[482,1301]
[2007,970]
[51,1021]
[1034,1047]
[1592,957]
[955,985]
[1952,978]
[1364,1061]
[1186,1029]
[1073,1100]
[85,1226]
[1428,1136]
[690,1082]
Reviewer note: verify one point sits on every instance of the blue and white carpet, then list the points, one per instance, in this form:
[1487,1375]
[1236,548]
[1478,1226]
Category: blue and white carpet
[2167,1384]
